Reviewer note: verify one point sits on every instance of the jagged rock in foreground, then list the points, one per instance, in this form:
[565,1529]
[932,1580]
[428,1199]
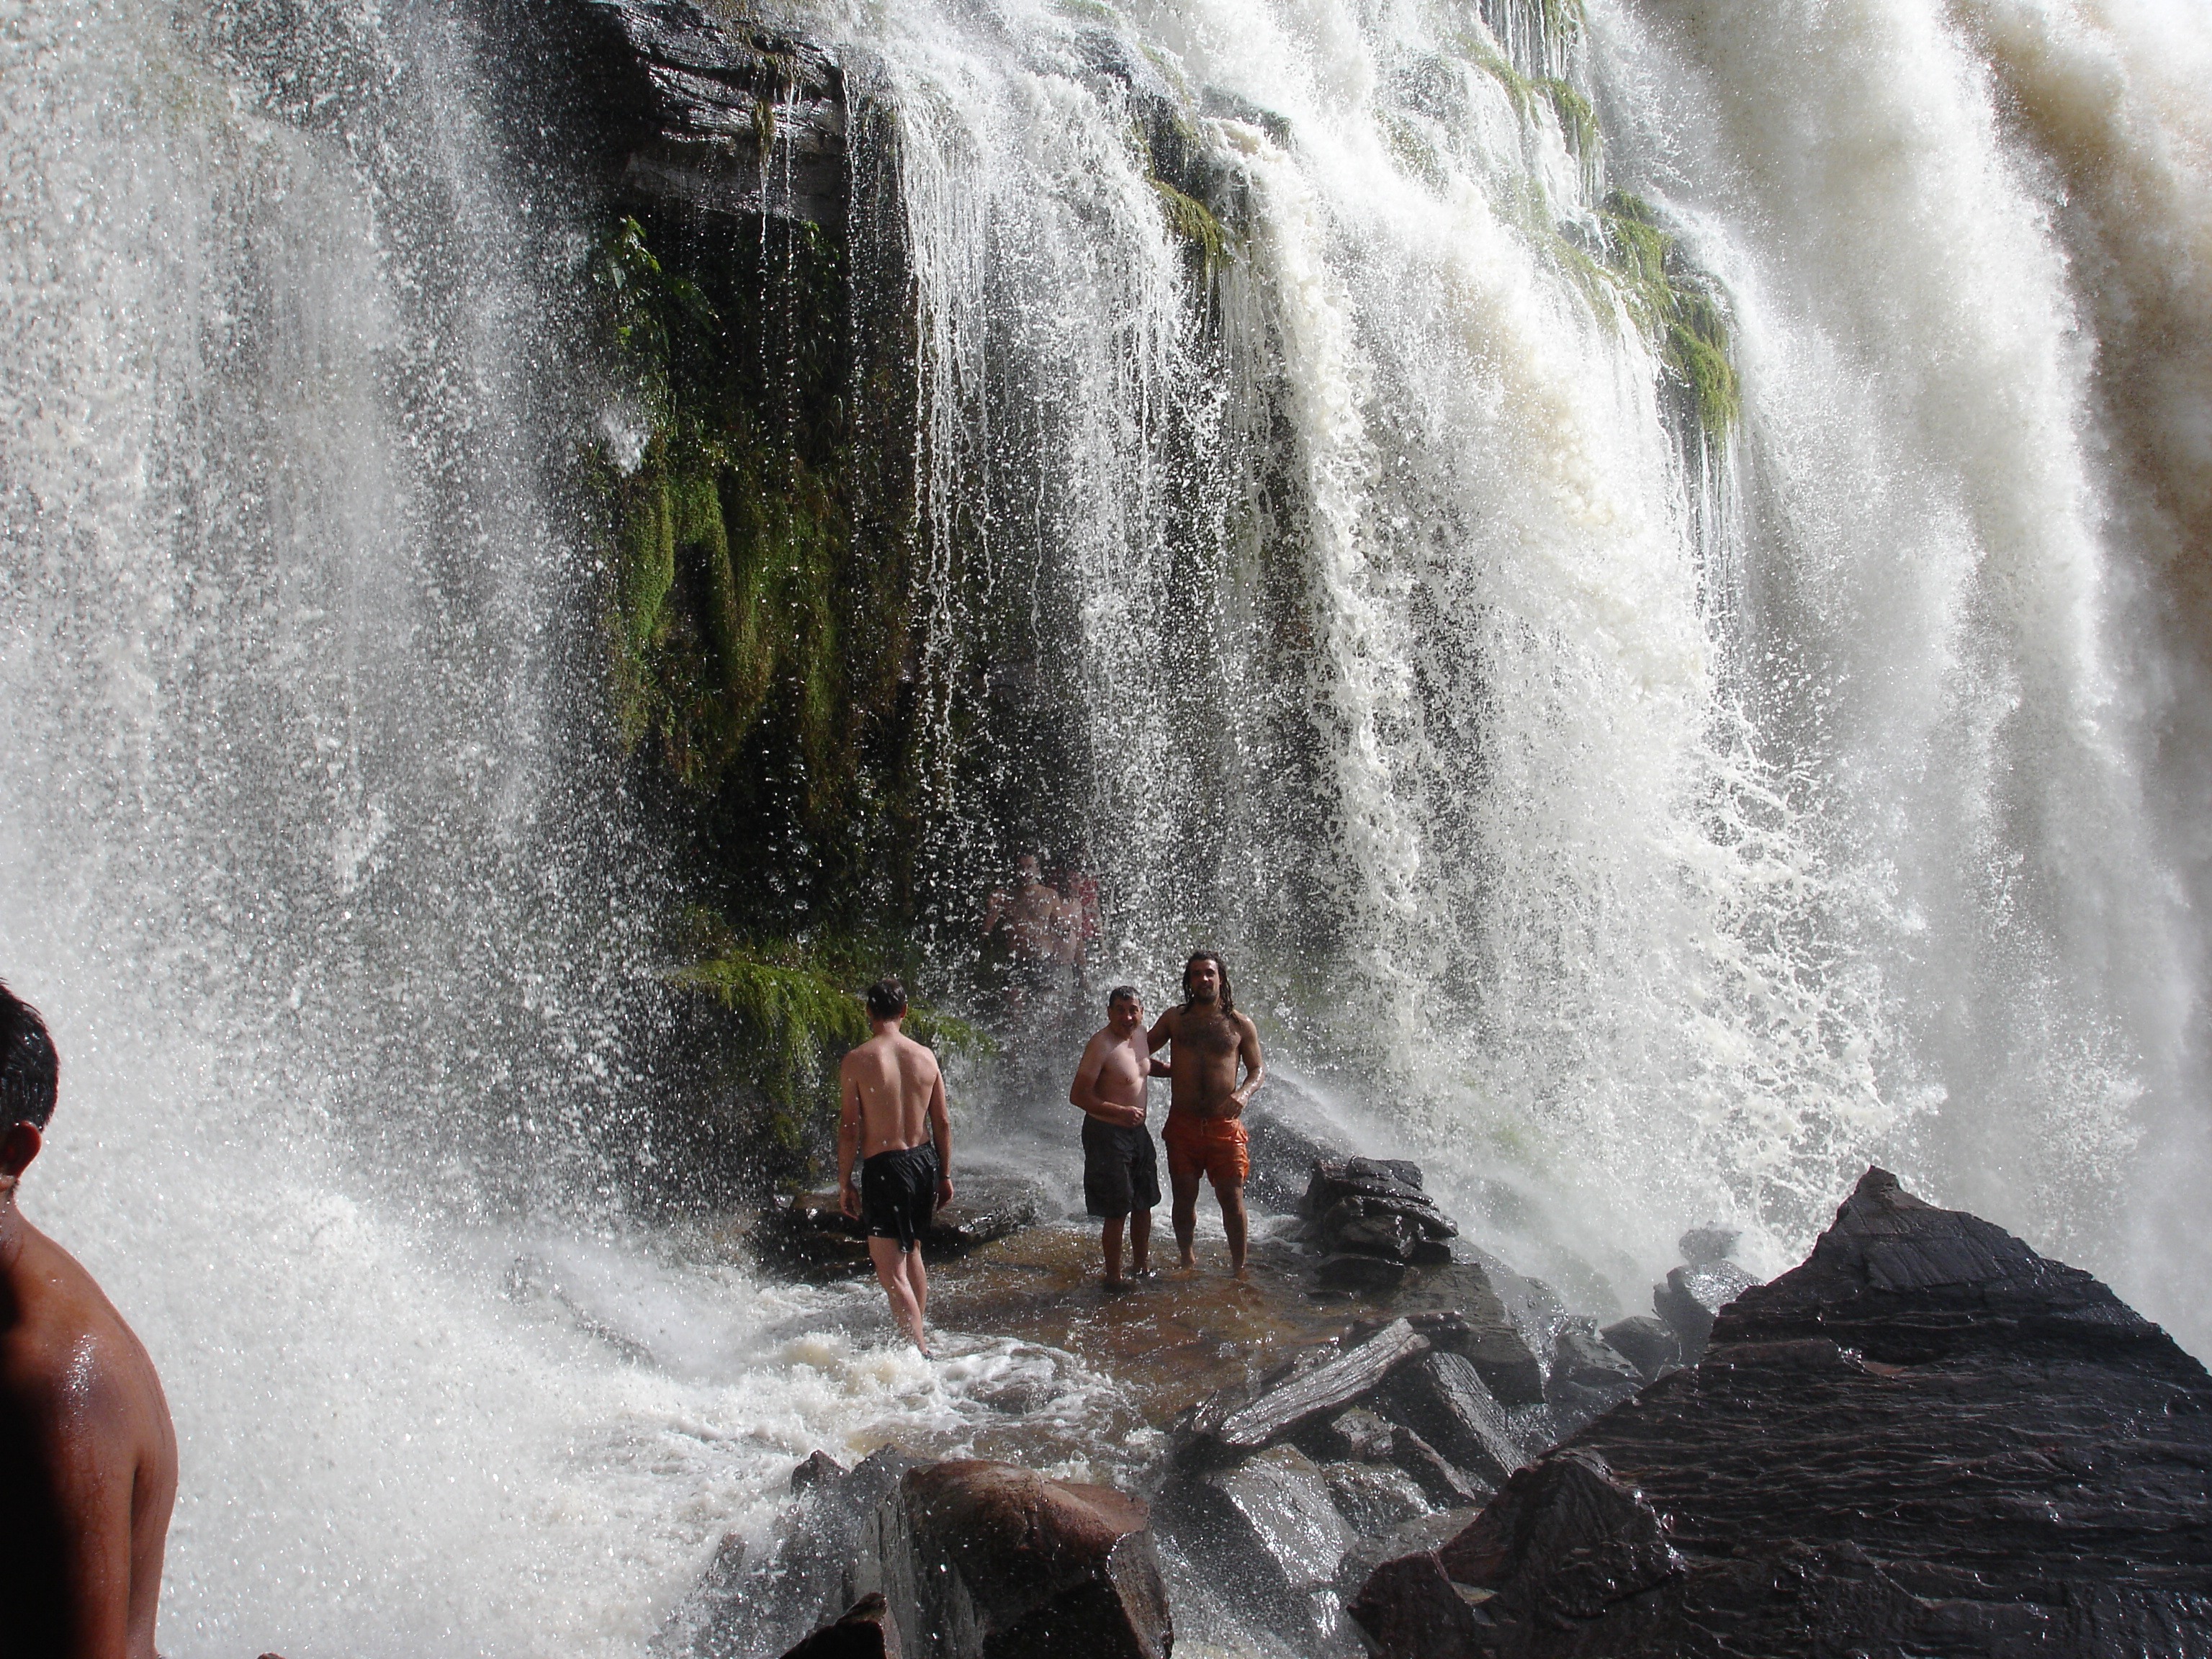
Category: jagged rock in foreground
[977,1558]
[1925,1440]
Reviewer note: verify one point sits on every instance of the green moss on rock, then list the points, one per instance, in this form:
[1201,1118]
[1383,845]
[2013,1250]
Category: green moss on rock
[1676,307]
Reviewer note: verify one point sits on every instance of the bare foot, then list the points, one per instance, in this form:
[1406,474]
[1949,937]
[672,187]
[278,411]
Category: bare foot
[1113,1286]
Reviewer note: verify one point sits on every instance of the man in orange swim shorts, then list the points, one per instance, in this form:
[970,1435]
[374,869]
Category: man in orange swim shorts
[1203,1135]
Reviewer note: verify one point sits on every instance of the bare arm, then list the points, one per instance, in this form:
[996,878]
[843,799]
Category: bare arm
[1255,1068]
[940,1131]
[93,1465]
[848,1140]
[1163,1030]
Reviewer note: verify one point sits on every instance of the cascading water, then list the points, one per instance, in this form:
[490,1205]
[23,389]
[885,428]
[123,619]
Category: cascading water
[1636,819]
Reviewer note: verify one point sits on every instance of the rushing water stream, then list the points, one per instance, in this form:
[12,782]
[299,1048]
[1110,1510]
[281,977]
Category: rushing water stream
[1634,824]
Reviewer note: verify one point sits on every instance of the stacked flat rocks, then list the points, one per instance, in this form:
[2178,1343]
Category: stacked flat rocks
[1373,1223]
[1927,1439]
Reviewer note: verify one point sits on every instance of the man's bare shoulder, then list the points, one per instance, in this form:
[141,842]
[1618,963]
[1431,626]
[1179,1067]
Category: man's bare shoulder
[64,1347]
[1244,1026]
[919,1054]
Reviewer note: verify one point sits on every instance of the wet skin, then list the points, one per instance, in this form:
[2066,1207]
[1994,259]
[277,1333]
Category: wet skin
[1110,1085]
[87,1455]
[1209,1047]
[893,1099]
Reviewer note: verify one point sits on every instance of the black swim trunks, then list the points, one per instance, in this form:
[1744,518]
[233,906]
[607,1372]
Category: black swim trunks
[898,1193]
[1121,1171]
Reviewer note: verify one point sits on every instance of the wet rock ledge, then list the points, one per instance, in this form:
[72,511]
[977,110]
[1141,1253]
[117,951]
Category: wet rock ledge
[1925,1440]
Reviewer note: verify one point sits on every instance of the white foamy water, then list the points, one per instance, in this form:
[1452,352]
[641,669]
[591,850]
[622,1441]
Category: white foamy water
[1634,831]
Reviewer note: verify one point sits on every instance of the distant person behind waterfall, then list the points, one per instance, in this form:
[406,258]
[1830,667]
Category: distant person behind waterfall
[1121,1172]
[1031,917]
[88,1456]
[894,1110]
[1204,1134]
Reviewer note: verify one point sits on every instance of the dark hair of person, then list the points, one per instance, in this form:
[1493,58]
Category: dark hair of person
[1121,994]
[29,1070]
[1228,1001]
[886,999]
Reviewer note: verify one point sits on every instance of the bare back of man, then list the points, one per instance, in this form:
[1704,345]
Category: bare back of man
[894,1152]
[87,1455]
[1204,1135]
[87,1461]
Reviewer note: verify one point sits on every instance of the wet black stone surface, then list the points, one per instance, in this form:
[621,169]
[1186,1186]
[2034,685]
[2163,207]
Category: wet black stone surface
[1927,1440]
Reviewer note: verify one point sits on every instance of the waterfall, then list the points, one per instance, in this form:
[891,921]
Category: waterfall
[1637,808]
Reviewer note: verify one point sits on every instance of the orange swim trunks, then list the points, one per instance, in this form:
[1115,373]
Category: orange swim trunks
[1211,1146]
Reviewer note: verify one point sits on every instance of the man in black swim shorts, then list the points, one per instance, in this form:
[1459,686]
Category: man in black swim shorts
[894,1109]
[1120,1170]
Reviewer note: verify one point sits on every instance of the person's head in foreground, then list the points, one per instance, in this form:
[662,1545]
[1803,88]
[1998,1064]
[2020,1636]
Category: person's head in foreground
[87,1457]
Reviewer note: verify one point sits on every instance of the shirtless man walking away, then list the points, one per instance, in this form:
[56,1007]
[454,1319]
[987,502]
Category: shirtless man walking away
[894,1109]
[88,1456]
[1120,1174]
[1204,1134]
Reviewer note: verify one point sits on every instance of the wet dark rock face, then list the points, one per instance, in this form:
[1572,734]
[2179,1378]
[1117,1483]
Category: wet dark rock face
[725,115]
[1925,1440]
[977,1558]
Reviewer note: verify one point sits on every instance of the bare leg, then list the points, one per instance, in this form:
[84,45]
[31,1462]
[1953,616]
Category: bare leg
[1109,1236]
[893,1274]
[1140,1241]
[918,1282]
[1234,1223]
[1185,1213]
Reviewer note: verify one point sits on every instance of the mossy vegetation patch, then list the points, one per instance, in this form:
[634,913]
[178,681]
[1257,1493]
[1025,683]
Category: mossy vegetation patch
[793,1006]
[1678,307]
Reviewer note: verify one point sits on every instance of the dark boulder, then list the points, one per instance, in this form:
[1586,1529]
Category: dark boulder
[806,1573]
[1441,1397]
[1589,1376]
[1646,1343]
[1375,1497]
[1361,1434]
[864,1631]
[1269,1532]
[1927,1439]
[816,1469]
[1692,1296]
[1715,1241]
[977,1558]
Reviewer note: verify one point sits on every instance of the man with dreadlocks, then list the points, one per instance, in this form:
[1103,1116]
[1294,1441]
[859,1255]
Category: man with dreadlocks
[1204,1134]
[87,1459]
